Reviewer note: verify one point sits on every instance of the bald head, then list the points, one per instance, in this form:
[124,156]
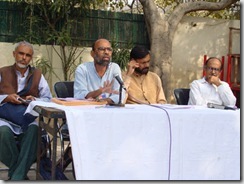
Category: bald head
[98,42]
[102,52]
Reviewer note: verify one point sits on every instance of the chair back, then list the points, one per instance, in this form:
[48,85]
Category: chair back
[64,89]
[182,95]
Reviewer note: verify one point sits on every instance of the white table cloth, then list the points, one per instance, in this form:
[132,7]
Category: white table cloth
[140,142]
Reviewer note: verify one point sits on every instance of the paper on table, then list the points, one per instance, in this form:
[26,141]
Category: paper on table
[67,99]
[74,102]
[173,106]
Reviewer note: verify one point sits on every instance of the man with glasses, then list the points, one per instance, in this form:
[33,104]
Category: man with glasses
[95,80]
[210,89]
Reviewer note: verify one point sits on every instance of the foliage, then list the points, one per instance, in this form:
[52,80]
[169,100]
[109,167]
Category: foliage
[116,5]
[53,18]
[53,21]
[221,14]
[44,65]
[121,55]
[167,6]
[232,12]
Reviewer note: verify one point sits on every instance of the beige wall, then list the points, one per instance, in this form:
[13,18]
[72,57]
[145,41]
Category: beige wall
[191,43]
[194,38]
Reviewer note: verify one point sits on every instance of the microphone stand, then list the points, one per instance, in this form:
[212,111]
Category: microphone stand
[120,97]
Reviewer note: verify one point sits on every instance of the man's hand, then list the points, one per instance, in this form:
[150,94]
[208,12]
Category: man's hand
[29,97]
[107,87]
[131,67]
[12,98]
[214,80]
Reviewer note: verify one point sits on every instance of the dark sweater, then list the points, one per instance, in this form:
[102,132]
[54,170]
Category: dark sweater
[8,84]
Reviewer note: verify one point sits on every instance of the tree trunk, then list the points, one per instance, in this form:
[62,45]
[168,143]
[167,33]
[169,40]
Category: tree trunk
[161,31]
[161,49]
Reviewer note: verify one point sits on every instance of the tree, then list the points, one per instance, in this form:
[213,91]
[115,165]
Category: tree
[161,29]
[53,19]
[53,22]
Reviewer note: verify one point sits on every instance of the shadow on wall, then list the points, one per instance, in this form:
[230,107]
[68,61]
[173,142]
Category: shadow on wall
[194,38]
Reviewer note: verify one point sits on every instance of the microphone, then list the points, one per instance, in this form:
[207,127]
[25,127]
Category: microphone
[120,81]
[216,106]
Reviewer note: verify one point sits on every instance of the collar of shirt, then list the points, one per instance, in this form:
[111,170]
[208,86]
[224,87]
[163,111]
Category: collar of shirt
[25,74]
[203,80]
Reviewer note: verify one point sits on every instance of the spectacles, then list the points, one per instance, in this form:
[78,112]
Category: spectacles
[213,69]
[103,49]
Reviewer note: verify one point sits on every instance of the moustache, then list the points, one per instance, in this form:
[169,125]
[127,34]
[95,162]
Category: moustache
[20,65]
[104,61]
[142,71]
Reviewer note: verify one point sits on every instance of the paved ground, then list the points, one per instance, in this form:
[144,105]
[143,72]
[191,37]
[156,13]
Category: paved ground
[32,172]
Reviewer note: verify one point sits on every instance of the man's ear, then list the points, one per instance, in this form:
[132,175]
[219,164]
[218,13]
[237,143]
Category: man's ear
[92,53]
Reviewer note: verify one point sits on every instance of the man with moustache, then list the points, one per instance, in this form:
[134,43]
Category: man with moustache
[95,80]
[143,86]
[210,89]
[14,83]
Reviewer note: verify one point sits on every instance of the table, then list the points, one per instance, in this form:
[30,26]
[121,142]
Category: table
[51,126]
[141,142]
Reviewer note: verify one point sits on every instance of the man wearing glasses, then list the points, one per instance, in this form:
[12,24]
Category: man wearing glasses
[95,80]
[210,89]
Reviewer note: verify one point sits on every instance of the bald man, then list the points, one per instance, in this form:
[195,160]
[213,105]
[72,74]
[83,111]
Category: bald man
[95,80]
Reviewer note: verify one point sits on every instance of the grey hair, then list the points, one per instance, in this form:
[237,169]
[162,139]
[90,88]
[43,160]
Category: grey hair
[206,62]
[26,44]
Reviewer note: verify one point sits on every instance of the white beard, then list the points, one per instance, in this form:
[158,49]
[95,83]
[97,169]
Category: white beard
[21,65]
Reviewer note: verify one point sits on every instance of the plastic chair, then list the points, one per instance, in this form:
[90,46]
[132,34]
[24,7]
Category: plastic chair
[64,89]
[182,95]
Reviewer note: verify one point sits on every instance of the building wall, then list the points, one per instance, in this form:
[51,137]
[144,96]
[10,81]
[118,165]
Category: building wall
[194,38]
